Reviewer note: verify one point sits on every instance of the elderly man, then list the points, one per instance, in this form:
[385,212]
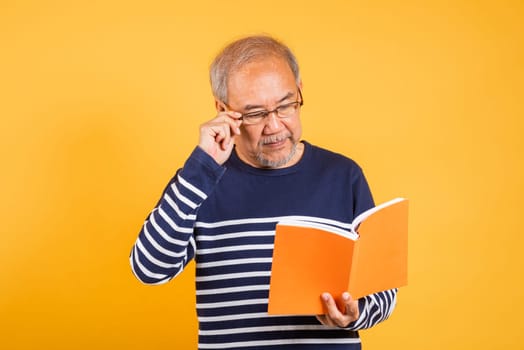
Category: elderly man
[250,170]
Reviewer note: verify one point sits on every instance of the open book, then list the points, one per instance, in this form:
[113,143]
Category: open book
[311,258]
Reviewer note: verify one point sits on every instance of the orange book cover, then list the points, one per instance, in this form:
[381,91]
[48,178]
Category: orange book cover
[311,258]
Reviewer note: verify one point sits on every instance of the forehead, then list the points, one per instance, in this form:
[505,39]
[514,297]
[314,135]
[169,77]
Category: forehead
[263,79]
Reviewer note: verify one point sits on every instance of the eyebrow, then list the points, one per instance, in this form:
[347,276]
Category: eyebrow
[250,107]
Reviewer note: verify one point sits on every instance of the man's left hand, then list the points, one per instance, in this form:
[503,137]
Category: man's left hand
[336,318]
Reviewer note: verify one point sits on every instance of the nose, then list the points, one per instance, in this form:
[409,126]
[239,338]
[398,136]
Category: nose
[273,121]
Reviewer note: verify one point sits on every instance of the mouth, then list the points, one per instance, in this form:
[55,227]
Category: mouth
[274,141]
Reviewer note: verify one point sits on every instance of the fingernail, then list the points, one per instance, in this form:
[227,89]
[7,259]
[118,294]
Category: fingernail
[345,296]
[325,296]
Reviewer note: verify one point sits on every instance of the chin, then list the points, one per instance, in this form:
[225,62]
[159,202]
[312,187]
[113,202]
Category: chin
[277,161]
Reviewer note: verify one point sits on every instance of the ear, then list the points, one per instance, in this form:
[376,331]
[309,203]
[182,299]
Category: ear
[219,106]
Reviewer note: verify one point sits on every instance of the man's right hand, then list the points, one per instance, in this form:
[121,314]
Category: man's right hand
[217,136]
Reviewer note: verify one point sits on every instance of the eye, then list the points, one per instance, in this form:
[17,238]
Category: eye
[287,109]
[255,115]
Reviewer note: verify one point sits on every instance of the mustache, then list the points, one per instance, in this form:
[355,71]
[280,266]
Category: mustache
[274,138]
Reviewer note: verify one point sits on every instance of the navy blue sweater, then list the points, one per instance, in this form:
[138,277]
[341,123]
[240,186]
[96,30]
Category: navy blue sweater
[224,217]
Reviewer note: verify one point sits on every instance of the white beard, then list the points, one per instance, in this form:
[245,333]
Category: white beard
[266,163]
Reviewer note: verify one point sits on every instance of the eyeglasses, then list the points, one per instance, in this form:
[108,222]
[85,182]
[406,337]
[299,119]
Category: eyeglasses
[284,111]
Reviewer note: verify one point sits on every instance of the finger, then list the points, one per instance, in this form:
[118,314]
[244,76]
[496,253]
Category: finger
[232,114]
[326,321]
[218,132]
[333,312]
[223,136]
[330,304]
[351,309]
[214,133]
[232,119]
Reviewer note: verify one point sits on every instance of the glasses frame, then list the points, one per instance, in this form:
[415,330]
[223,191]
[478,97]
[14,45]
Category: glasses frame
[299,101]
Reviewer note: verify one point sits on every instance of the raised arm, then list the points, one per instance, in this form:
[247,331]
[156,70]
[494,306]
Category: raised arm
[166,243]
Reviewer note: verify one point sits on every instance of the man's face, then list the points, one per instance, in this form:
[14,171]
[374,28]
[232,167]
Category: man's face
[265,85]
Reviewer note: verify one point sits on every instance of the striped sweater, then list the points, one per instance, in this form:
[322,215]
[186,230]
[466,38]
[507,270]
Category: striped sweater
[224,217]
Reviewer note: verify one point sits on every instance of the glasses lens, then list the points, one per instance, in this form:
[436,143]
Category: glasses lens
[287,110]
[254,118]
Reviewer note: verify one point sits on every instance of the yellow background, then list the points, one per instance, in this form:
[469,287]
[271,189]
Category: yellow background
[100,103]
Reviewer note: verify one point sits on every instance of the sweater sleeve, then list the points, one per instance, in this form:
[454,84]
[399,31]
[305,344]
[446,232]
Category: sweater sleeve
[374,309]
[166,243]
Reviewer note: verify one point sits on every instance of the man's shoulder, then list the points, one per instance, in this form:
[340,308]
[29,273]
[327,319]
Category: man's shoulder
[327,156]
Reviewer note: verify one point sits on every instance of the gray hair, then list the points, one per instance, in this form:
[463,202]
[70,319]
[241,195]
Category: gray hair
[243,51]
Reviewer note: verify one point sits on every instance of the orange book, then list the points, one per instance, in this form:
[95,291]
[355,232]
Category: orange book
[311,258]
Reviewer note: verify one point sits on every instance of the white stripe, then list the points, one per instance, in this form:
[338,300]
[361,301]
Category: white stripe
[236,248]
[242,234]
[233,276]
[234,317]
[192,188]
[177,210]
[228,290]
[167,237]
[378,309]
[265,329]
[170,222]
[153,259]
[131,260]
[233,262]
[161,249]
[234,222]
[232,303]
[271,219]
[278,342]
[361,320]
[146,271]
[182,198]
[192,242]
[392,305]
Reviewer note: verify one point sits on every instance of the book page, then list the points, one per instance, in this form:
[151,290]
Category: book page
[307,261]
[324,227]
[362,216]
[381,261]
